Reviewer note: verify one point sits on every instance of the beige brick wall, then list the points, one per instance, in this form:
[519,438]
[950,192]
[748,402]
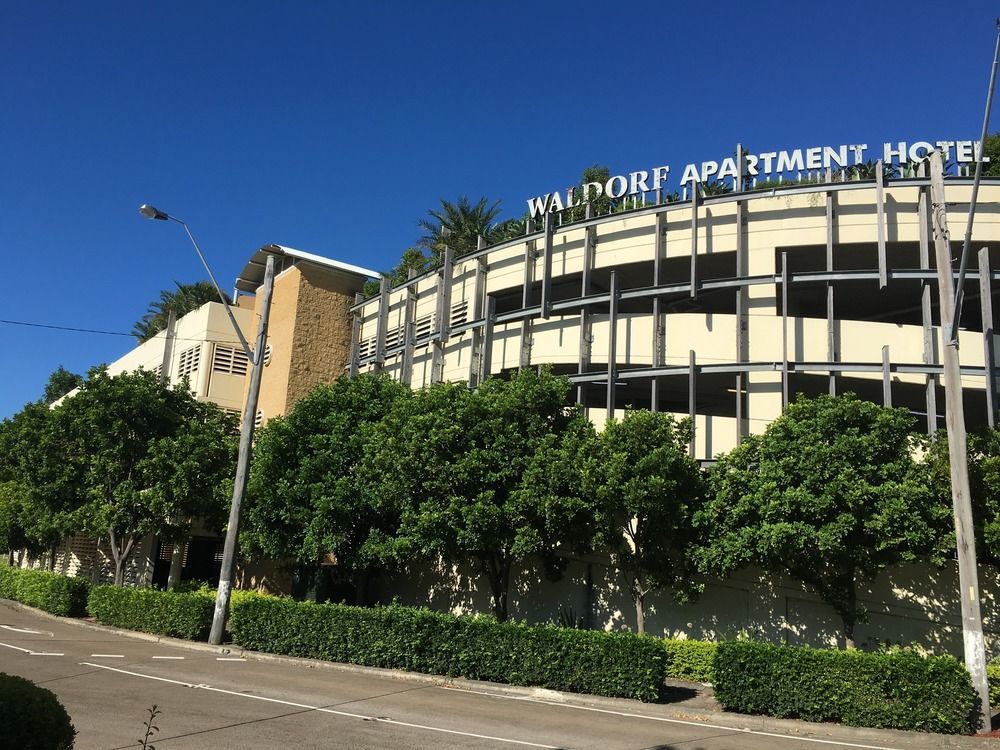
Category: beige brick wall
[309,332]
[322,343]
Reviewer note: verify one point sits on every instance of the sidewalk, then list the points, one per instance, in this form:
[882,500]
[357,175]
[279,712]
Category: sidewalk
[689,702]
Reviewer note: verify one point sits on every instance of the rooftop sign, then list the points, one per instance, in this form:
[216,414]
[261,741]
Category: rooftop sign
[766,164]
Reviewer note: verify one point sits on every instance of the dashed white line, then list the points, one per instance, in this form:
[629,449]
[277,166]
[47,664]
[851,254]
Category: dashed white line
[377,719]
[107,656]
[229,658]
[669,721]
[43,653]
[175,658]
[16,648]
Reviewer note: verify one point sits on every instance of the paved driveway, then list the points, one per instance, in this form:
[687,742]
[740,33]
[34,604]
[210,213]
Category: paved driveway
[107,681]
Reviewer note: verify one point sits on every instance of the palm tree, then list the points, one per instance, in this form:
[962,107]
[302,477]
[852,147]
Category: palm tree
[459,226]
[184,299]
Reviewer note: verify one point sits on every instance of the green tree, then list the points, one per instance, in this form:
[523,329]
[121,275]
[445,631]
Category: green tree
[648,489]
[180,301]
[455,460]
[141,458]
[984,484]
[304,499]
[60,382]
[412,260]
[831,494]
[991,150]
[459,226]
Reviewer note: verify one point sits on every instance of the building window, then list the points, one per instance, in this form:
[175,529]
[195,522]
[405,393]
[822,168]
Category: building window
[188,362]
[229,360]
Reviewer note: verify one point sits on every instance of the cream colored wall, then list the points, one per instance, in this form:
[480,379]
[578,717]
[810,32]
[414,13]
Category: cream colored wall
[773,221]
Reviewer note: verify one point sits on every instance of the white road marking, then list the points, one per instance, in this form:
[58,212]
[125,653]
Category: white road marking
[29,652]
[28,630]
[671,721]
[108,656]
[17,648]
[229,658]
[348,714]
[176,658]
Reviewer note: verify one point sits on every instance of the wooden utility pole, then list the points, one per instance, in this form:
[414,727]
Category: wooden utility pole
[972,623]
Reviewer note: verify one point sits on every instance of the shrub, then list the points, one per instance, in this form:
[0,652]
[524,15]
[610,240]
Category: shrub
[993,676]
[689,660]
[183,615]
[52,592]
[32,717]
[479,648]
[899,690]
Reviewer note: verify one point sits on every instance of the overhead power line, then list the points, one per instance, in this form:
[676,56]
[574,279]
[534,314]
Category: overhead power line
[72,329]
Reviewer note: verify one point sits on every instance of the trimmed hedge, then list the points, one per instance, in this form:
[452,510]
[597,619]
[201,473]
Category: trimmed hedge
[689,659]
[52,592]
[182,615]
[993,677]
[479,648]
[898,690]
[32,717]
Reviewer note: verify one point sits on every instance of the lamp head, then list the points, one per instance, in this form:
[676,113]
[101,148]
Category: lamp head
[151,212]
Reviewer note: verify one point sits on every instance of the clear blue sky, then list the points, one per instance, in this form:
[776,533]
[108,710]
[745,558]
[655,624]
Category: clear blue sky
[334,127]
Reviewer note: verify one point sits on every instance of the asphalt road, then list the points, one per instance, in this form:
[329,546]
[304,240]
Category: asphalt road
[107,681]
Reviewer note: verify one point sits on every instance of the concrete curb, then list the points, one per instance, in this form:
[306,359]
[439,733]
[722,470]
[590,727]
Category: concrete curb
[721,719]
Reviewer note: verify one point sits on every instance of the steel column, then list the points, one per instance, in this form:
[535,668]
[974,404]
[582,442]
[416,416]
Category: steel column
[883,272]
[583,360]
[930,386]
[784,331]
[659,251]
[524,359]
[491,315]
[612,344]
[547,268]
[352,366]
[831,337]
[886,378]
[694,239]
[409,331]
[692,398]
[989,353]
[478,310]
[383,323]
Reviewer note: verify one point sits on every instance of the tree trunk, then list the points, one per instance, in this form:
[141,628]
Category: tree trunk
[176,563]
[850,613]
[52,558]
[120,555]
[640,614]
[498,574]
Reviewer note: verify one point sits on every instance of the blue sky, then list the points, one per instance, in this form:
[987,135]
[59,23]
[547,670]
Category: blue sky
[334,127]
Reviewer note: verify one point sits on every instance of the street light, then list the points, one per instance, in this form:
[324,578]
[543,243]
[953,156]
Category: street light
[255,357]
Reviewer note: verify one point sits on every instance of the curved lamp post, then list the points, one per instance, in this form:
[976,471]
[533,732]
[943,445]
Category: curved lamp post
[255,357]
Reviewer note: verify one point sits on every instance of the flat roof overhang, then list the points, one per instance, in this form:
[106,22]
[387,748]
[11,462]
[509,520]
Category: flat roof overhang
[252,275]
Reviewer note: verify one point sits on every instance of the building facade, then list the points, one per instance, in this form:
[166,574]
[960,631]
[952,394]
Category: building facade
[718,308]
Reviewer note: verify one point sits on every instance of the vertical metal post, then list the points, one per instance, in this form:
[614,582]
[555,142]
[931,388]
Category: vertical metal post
[694,239]
[886,378]
[969,595]
[742,348]
[831,337]
[491,314]
[524,359]
[989,351]
[883,272]
[659,251]
[168,347]
[612,344]
[383,323]
[352,366]
[547,268]
[784,331]
[443,316]
[930,384]
[478,311]
[409,331]
[692,399]
[583,359]
[242,464]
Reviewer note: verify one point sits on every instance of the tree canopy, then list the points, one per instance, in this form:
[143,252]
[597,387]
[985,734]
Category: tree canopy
[304,498]
[138,457]
[647,490]
[456,458]
[831,494]
[60,382]
[180,301]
